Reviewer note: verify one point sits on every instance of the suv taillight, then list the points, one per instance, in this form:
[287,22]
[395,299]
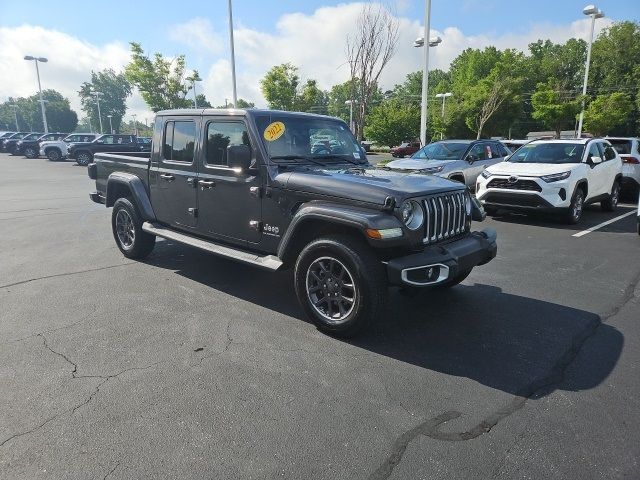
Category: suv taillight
[629,159]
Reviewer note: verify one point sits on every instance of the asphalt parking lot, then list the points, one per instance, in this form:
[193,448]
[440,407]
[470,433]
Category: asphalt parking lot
[191,366]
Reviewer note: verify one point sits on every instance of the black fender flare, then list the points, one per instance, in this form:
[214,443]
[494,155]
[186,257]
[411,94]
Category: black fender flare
[138,193]
[358,218]
[579,183]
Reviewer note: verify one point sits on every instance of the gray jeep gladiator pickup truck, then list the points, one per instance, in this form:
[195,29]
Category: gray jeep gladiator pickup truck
[292,190]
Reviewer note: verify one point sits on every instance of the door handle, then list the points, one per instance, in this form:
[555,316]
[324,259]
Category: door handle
[167,176]
[206,183]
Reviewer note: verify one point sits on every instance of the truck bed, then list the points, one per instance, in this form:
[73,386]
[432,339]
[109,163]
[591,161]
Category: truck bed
[135,163]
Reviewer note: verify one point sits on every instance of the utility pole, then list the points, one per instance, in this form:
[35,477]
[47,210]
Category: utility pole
[233,57]
[44,115]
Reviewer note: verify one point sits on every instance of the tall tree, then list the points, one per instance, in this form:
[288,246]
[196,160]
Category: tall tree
[557,110]
[161,81]
[312,99]
[607,113]
[369,50]
[280,86]
[60,117]
[392,122]
[114,89]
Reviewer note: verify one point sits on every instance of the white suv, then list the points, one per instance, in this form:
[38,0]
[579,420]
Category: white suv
[629,151]
[554,175]
[57,150]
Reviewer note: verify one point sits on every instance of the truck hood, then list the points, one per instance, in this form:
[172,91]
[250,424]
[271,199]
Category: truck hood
[530,169]
[366,184]
[417,164]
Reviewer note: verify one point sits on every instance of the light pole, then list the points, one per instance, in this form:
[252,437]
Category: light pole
[350,103]
[425,68]
[15,115]
[97,95]
[593,12]
[444,97]
[135,124]
[44,115]
[195,97]
[233,57]
[110,124]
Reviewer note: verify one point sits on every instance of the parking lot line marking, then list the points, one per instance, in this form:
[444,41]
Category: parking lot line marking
[596,227]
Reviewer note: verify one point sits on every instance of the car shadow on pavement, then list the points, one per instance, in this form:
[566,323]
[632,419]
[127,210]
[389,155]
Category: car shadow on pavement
[593,215]
[504,341]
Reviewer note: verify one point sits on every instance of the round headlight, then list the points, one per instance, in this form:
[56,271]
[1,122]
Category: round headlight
[412,214]
[467,204]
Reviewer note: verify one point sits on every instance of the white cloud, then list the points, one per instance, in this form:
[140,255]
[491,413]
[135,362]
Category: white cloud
[70,63]
[197,34]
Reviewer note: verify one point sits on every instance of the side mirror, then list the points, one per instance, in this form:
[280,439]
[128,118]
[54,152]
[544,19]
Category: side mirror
[99,141]
[471,158]
[507,158]
[239,156]
[595,160]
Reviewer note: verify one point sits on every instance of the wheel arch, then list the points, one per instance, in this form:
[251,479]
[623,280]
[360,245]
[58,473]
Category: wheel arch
[127,185]
[582,184]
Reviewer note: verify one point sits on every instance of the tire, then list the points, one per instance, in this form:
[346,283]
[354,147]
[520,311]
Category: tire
[54,154]
[575,208]
[610,204]
[455,280]
[353,273]
[84,158]
[126,225]
[31,152]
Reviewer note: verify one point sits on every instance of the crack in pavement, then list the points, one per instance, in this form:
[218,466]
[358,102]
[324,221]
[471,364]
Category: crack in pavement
[45,277]
[75,375]
[111,471]
[430,428]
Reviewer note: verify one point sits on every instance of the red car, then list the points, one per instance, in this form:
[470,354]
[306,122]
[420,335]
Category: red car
[405,149]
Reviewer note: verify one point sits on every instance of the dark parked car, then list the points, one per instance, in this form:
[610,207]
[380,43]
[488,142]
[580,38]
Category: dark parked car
[13,144]
[30,148]
[145,143]
[247,185]
[405,149]
[9,142]
[83,153]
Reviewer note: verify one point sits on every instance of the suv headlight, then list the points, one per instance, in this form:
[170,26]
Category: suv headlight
[412,214]
[555,177]
[433,169]
[486,174]
[467,203]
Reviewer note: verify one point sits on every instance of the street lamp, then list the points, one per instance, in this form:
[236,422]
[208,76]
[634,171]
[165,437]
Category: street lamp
[195,97]
[593,12]
[97,95]
[15,115]
[135,124]
[350,103]
[110,124]
[42,60]
[443,96]
[233,57]
[425,69]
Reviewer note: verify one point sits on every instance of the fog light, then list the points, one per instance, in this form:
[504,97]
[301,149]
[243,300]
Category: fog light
[562,193]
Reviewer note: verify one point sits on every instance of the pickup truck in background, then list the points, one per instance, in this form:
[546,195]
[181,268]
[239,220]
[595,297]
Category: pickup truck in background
[290,190]
[83,153]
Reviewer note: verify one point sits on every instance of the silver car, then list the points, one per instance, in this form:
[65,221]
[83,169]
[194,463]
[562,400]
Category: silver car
[459,160]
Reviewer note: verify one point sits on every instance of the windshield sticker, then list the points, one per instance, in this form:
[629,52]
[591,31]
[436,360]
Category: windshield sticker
[273,131]
[356,155]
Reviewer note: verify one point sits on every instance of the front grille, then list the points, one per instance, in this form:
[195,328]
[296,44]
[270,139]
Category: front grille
[517,200]
[517,185]
[445,216]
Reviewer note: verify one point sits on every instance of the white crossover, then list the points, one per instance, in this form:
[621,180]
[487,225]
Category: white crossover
[555,176]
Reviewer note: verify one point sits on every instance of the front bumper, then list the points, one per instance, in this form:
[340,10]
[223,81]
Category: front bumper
[439,263]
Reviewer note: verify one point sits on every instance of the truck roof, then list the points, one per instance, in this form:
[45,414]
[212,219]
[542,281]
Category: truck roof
[240,111]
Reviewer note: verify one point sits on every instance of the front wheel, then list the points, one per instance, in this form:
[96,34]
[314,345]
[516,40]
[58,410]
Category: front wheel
[30,152]
[340,284]
[610,204]
[83,158]
[575,208]
[126,224]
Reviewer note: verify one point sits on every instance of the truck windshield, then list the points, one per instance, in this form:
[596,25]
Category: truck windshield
[298,139]
[442,151]
[548,153]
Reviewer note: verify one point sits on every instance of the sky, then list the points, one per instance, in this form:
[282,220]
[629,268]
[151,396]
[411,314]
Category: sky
[78,37]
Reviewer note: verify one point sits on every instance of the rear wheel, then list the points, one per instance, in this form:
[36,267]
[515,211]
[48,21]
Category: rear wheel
[611,203]
[126,224]
[575,208]
[30,152]
[340,284]
[83,158]
[54,154]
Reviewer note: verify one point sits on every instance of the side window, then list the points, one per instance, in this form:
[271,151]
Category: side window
[637,146]
[496,150]
[108,140]
[609,153]
[221,135]
[479,151]
[179,141]
[594,151]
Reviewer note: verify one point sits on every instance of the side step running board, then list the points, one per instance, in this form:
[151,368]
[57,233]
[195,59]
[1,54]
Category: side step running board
[270,262]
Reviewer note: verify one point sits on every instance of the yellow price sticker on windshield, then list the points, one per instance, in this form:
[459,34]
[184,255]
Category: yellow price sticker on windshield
[273,131]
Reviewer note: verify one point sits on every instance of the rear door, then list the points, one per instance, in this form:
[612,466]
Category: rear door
[612,165]
[229,201]
[173,176]
[596,173]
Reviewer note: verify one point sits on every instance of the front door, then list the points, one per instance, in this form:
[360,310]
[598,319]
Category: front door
[173,182]
[596,172]
[229,200]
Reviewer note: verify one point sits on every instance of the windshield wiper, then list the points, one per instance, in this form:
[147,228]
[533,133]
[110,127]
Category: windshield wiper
[341,157]
[298,157]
